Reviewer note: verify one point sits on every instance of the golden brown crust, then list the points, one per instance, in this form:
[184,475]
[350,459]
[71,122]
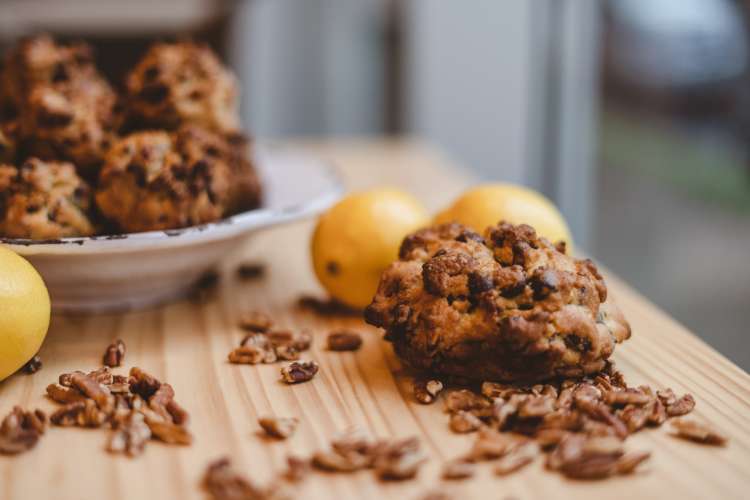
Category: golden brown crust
[507,306]
[64,107]
[43,200]
[155,180]
[178,83]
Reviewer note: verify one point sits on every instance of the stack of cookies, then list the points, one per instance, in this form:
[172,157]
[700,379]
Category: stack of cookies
[79,158]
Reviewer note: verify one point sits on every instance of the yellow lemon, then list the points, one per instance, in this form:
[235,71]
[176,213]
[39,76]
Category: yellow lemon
[24,312]
[358,238]
[488,204]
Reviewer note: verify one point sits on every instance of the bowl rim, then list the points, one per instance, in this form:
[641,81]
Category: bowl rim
[228,227]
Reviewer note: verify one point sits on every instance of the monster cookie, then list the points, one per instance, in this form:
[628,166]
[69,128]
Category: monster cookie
[43,200]
[65,109]
[182,83]
[156,180]
[509,306]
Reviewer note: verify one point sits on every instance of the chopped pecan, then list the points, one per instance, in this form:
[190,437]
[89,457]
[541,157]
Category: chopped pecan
[465,400]
[247,355]
[626,397]
[549,438]
[491,444]
[344,340]
[658,414]
[399,459]
[630,460]
[458,469]
[536,406]
[426,390]
[299,371]
[94,390]
[635,417]
[255,321]
[682,406]
[497,390]
[169,432]
[114,355]
[142,383]
[20,430]
[179,415]
[516,459]
[131,435]
[278,427]
[63,394]
[286,352]
[464,421]
[33,365]
[700,433]
[82,414]
[300,340]
[103,375]
[332,460]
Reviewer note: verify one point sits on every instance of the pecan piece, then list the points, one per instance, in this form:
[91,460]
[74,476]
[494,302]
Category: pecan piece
[300,340]
[682,406]
[277,427]
[519,457]
[426,390]
[33,365]
[344,340]
[491,444]
[114,355]
[458,469]
[142,383]
[465,400]
[700,433]
[94,390]
[464,421]
[131,435]
[247,355]
[20,430]
[299,371]
[626,397]
[250,271]
[63,394]
[169,432]
[82,414]
[400,459]
[255,321]
[536,406]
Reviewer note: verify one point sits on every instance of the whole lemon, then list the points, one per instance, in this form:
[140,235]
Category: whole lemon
[488,204]
[356,239]
[24,312]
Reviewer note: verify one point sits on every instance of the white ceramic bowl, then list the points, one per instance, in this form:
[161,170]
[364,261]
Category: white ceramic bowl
[116,273]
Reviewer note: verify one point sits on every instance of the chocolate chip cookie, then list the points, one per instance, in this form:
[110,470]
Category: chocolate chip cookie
[157,180]
[43,200]
[178,83]
[506,306]
[65,109]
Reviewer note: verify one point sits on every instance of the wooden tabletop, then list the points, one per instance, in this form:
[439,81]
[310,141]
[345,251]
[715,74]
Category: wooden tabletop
[187,344]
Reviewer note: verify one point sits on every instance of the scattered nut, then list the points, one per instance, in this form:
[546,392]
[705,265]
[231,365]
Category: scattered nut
[458,469]
[277,427]
[299,371]
[114,355]
[33,365]
[426,390]
[700,433]
[344,340]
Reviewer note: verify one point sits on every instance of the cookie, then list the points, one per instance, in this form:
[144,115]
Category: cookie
[43,200]
[509,306]
[179,83]
[65,109]
[155,180]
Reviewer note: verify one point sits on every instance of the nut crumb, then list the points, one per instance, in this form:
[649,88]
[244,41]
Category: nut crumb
[114,355]
[427,390]
[279,427]
[33,365]
[698,432]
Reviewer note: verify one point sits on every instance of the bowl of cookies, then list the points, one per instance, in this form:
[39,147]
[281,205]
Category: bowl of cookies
[124,198]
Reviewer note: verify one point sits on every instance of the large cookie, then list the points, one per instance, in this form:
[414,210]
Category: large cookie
[509,306]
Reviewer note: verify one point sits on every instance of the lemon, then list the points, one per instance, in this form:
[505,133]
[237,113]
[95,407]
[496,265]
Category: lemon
[356,239]
[488,204]
[24,312]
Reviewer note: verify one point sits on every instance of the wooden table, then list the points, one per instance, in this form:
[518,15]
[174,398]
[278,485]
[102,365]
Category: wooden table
[187,345]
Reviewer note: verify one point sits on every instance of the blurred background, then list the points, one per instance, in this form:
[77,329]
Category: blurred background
[633,115]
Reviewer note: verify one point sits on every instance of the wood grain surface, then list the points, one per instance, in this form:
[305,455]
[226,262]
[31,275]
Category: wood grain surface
[186,345]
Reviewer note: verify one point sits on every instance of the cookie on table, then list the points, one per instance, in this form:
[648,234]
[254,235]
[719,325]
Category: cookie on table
[65,109]
[179,83]
[43,200]
[155,180]
[507,306]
